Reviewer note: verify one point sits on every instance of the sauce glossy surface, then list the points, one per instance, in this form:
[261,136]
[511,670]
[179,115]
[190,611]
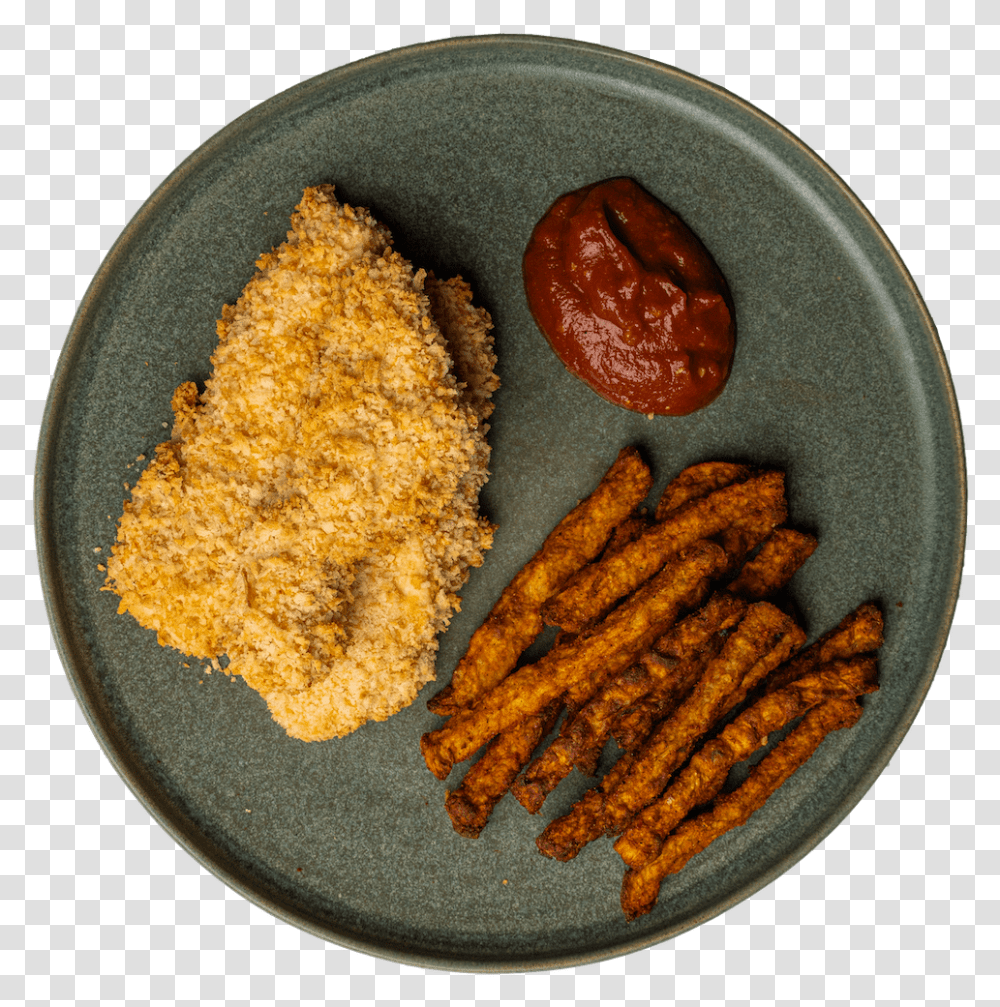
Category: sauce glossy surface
[630,299]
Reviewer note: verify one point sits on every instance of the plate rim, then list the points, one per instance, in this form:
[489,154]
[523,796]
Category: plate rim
[184,833]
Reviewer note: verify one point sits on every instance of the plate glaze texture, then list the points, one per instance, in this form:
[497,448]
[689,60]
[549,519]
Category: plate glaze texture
[459,147]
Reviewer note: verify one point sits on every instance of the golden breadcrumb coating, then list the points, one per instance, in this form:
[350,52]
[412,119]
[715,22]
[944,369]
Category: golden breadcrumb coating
[316,508]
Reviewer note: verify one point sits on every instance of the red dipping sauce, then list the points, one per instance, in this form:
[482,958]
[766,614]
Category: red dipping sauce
[630,299]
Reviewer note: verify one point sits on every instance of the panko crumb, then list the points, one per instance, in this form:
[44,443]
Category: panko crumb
[315,510]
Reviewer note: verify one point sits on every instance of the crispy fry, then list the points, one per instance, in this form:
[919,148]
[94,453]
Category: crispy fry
[564,837]
[599,654]
[722,611]
[596,588]
[708,768]
[553,765]
[763,640]
[470,805]
[779,557]
[698,481]
[691,635]
[694,634]
[858,633]
[586,732]
[515,620]
[769,571]
[740,540]
[628,531]
[681,641]
[641,888]
[633,727]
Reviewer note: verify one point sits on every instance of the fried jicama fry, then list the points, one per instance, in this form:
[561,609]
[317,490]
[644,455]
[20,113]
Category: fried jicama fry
[515,620]
[706,773]
[628,531]
[600,653]
[641,888]
[471,803]
[681,641]
[596,588]
[698,481]
[656,687]
[763,640]
[581,742]
[564,837]
[858,633]
[632,727]
[782,553]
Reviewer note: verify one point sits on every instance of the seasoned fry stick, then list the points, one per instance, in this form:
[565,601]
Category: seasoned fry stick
[600,654]
[515,620]
[769,571]
[581,742]
[722,611]
[681,641]
[668,682]
[585,733]
[740,540]
[779,557]
[470,805]
[631,729]
[564,837]
[556,762]
[598,586]
[858,633]
[698,481]
[640,888]
[763,640]
[705,774]
[628,531]
[633,725]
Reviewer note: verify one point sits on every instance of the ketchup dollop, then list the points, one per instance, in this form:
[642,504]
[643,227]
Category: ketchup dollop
[630,299]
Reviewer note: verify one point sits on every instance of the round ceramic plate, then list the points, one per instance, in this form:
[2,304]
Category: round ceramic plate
[460,146]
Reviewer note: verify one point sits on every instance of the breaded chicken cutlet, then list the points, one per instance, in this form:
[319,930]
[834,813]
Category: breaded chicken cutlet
[315,511]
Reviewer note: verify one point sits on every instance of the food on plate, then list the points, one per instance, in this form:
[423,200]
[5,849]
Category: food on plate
[781,554]
[564,837]
[592,657]
[706,772]
[516,620]
[698,481]
[470,804]
[630,299]
[762,640]
[758,504]
[641,888]
[585,732]
[635,723]
[315,511]
[860,632]
[663,676]
[689,682]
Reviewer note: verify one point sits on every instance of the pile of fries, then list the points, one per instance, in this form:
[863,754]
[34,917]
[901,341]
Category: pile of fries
[668,645]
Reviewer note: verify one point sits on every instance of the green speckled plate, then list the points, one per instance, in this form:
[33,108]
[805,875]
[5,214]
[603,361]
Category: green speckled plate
[459,146]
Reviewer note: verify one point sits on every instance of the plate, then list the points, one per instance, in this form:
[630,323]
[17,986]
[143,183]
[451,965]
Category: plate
[460,146]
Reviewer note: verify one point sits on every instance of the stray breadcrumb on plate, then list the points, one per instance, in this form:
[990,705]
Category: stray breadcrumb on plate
[316,509]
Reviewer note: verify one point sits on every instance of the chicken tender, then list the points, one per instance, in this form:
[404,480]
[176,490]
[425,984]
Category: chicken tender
[315,511]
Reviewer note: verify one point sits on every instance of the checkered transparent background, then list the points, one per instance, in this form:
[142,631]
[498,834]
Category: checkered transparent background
[99,101]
